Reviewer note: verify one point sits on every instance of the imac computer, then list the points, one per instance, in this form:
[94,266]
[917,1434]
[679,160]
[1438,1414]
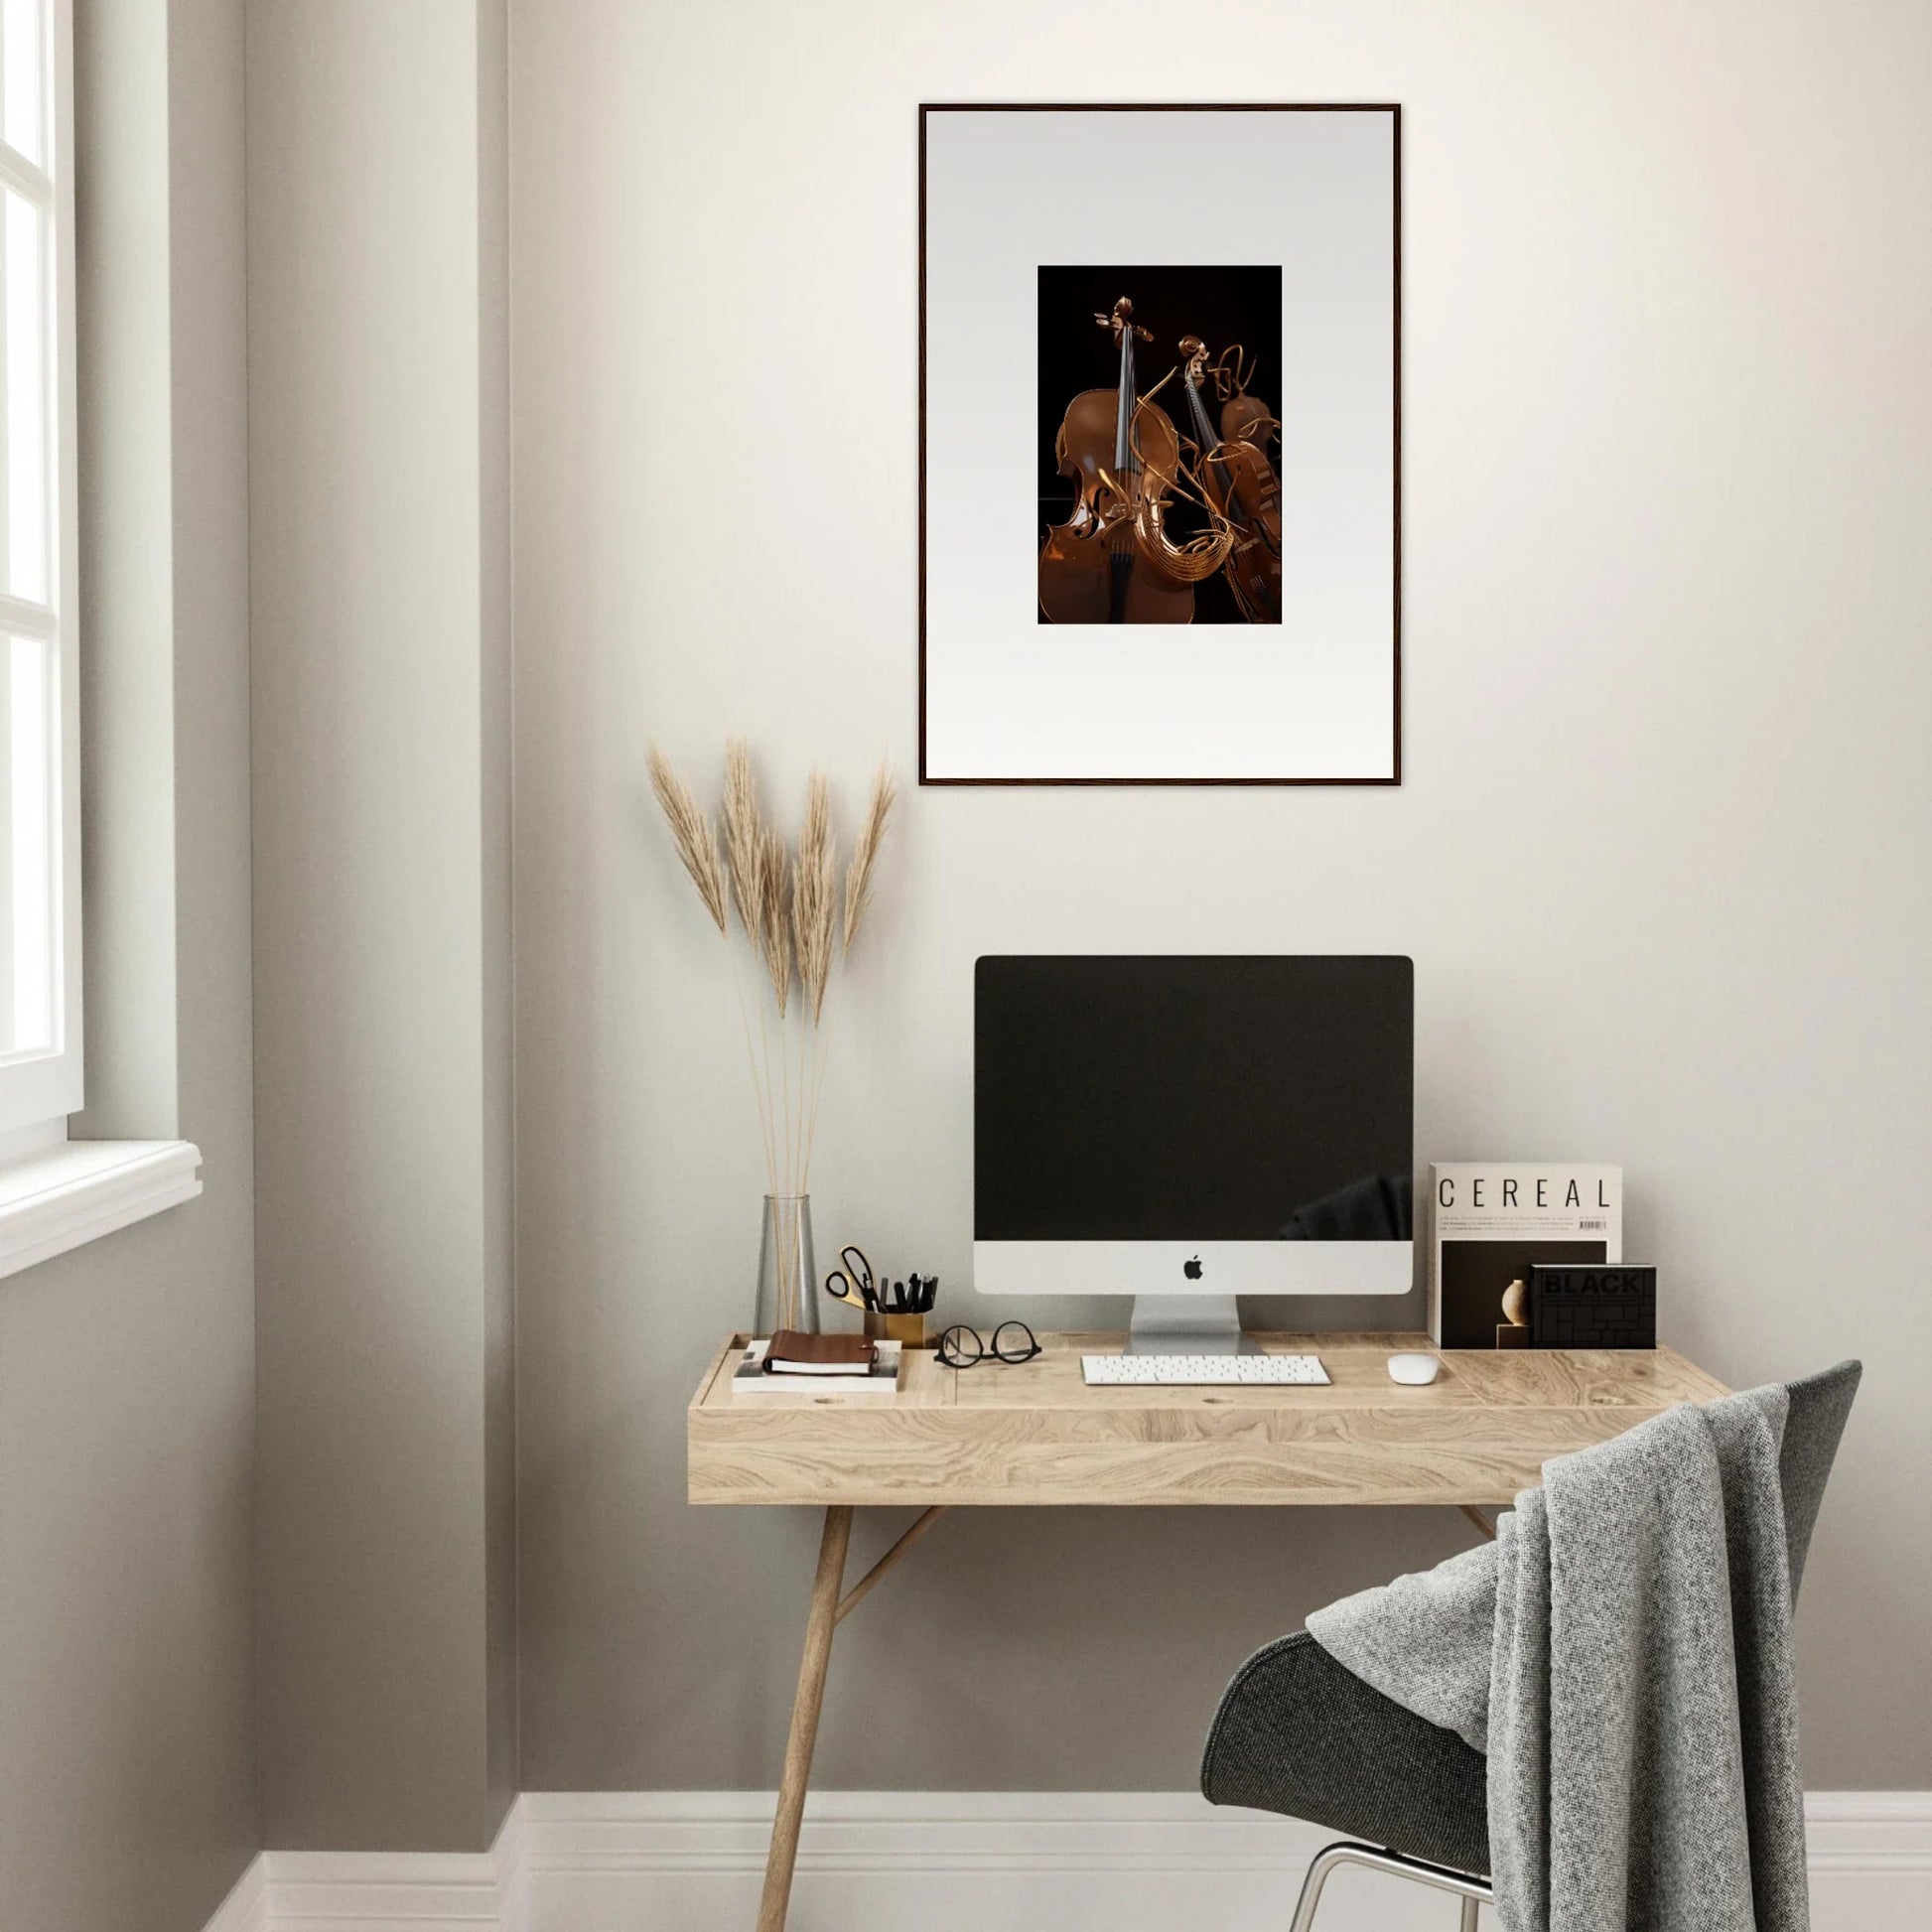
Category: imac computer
[1186,1130]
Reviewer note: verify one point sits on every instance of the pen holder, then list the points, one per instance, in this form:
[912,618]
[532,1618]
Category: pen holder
[907,1330]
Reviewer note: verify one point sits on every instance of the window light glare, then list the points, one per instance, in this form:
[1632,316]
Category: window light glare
[31,789]
[23,44]
[25,355]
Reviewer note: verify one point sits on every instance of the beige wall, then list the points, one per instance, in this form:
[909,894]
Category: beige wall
[1659,856]
[127,1753]
[378,502]
[494,845]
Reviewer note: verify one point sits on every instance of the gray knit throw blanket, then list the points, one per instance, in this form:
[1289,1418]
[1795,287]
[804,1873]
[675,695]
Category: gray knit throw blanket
[1622,1652]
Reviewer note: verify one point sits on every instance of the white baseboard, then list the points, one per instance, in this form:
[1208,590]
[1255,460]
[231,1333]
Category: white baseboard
[245,1909]
[386,1892]
[955,1861]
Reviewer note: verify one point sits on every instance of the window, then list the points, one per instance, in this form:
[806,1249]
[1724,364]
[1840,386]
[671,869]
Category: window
[40,819]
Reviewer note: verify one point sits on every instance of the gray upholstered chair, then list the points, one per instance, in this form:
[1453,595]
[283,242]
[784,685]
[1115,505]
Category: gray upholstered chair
[1299,1735]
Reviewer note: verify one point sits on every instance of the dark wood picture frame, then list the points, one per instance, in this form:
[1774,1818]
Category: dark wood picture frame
[1391,108]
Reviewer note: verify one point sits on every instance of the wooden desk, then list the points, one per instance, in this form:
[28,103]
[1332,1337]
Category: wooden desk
[1034,1432]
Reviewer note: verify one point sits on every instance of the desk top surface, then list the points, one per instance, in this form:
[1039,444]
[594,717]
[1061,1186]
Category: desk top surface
[1034,1432]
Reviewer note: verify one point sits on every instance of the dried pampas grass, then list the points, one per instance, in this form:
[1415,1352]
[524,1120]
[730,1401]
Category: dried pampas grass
[872,835]
[774,916]
[814,896]
[691,833]
[787,903]
[743,836]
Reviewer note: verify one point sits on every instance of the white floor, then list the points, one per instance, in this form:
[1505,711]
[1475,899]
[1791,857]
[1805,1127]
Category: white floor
[957,1861]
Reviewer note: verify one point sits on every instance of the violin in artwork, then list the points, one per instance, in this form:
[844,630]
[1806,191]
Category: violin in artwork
[1237,478]
[1112,561]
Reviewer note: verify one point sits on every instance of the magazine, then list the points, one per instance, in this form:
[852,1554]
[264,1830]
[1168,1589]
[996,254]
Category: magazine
[1489,1221]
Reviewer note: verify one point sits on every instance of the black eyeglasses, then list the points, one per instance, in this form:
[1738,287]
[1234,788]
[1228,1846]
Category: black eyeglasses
[962,1347]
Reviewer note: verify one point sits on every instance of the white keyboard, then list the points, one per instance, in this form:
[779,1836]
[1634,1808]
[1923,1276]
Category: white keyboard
[1201,1371]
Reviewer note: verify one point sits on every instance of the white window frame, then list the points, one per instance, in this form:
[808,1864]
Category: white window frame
[39,1090]
[54,1192]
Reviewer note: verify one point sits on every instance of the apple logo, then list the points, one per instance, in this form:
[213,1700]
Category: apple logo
[1191,1269]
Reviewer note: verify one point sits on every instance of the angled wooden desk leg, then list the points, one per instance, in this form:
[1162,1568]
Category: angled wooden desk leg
[804,1719]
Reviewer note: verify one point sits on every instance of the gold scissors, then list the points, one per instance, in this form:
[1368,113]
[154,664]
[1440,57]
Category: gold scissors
[853,1282]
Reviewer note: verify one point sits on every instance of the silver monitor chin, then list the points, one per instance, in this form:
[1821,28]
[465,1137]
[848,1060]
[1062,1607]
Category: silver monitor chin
[1183,1295]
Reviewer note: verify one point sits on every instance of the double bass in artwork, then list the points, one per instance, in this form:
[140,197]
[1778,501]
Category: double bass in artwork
[1155,513]
[1112,561]
[1238,478]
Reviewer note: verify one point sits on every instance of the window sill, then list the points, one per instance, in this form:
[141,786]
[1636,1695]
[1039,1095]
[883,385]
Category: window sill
[81,1189]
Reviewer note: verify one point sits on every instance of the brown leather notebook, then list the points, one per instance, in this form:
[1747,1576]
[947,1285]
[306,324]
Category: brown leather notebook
[794,1354]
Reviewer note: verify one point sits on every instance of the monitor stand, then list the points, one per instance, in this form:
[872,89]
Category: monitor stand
[1187,1324]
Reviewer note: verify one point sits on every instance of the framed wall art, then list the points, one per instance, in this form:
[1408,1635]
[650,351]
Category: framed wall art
[1159,446]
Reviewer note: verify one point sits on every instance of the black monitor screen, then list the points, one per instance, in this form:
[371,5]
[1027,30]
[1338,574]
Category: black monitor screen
[1183,1099]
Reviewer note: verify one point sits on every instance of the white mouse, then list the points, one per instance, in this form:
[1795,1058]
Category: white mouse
[1414,1369]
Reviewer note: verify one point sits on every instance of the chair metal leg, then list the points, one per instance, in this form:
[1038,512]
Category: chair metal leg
[1324,1862]
[1472,1891]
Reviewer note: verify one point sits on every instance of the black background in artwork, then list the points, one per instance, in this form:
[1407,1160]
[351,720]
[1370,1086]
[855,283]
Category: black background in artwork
[1219,305]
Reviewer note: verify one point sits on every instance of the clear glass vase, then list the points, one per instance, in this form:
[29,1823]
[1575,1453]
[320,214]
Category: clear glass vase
[787,1272]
